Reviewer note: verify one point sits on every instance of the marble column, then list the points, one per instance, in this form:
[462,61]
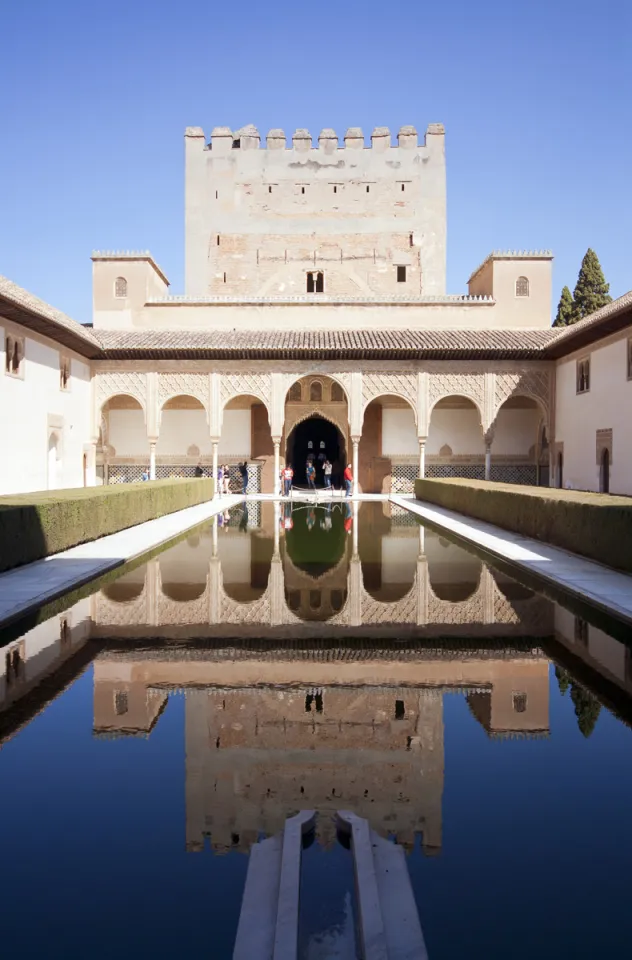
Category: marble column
[152,459]
[488,459]
[277,466]
[354,465]
[422,457]
[215,465]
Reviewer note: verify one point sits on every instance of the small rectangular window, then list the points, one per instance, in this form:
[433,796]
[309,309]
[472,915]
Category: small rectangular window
[121,704]
[411,240]
[403,187]
[269,189]
[368,188]
[302,189]
[216,194]
[224,278]
[335,188]
[581,630]
[64,373]
[14,356]
[583,375]
[401,274]
[400,711]
[218,239]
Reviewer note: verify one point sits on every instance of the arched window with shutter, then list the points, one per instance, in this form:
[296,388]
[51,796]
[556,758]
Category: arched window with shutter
[316,391]
[295,393]
[120,288]
[522,287]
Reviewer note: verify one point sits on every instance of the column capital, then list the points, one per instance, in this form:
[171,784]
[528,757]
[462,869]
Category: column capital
[356,439]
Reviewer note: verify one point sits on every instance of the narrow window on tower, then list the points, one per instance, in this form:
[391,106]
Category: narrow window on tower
[224,278]
[320,283]
[302,189]
[401,274]
[216,194]
[367,189]
[310,282]
[218,239]
[410,240]
[403,187]
[335,188]
[269,189]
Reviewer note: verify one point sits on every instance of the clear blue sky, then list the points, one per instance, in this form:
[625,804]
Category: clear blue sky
[94,98]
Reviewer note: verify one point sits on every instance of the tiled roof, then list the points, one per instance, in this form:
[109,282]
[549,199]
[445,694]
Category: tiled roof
[614,316]
[22,307]
[298,344]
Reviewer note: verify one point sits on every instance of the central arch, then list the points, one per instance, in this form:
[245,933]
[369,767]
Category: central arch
[316,438]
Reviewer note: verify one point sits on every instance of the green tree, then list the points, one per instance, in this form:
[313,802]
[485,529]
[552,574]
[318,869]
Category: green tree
[563,681]
[565,309]
[591,290]
[587,709]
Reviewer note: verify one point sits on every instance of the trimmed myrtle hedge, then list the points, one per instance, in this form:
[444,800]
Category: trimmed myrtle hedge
[36,525]
[595,525]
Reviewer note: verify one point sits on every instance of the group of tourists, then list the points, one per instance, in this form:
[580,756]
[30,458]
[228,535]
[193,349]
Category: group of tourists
[287,477]
[223,478]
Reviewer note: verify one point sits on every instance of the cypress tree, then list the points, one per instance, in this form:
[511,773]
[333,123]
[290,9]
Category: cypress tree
[563,680]
[565,309]
[587,708]
[591,291]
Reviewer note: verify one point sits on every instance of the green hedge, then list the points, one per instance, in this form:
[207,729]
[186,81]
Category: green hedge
[595,525]
[36,525]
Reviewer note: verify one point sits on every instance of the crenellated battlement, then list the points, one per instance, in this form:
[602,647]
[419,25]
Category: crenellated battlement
[223,139]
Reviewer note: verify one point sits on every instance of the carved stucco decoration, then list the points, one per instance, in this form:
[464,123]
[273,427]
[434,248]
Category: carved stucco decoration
[256,611]
[294,417]
[183,385]
[471,610]
[535,384]
[116,383]
[398,611]
[344,379]
[121,614]
[470,385]
[246,384]
[390,383]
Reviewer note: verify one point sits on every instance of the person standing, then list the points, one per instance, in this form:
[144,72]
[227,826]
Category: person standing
[348,478]
[310,473]
[226,480]
[220,480]
[327,471]
[288,476]
[145,475]
[243,469]
[198,471]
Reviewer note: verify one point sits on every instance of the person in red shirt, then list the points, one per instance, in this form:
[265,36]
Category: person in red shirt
[348,479]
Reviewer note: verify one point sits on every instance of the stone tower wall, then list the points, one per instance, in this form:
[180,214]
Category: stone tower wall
[258,220]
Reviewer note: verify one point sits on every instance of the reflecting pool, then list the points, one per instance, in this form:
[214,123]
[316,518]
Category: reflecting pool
[328,657]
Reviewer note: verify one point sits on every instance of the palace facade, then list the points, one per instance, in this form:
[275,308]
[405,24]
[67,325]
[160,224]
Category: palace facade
[315,317]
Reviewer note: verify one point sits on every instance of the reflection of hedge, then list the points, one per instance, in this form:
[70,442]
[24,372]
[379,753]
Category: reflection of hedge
[592,524]
[35,525]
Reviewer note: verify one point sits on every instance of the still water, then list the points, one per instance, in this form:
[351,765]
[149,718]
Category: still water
[320,658]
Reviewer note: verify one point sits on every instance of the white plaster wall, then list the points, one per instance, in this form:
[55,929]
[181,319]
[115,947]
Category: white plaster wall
[607,405]
[399,432]
[236,435]
[128,433]
[180,429]
[516,431]
[25,407]
[604,649]
[460,429]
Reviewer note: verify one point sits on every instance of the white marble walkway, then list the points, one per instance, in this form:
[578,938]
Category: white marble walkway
[35,584]
[607,589]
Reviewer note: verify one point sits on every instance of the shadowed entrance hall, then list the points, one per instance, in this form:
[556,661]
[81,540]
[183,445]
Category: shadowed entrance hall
[318,439]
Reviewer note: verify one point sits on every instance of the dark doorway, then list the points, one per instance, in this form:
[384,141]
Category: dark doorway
[313,437]
[604,480]
[560,471]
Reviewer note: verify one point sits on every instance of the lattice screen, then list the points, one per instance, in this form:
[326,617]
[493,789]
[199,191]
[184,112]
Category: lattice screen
[525,473]
[403,477]
[472,471]
[133,473]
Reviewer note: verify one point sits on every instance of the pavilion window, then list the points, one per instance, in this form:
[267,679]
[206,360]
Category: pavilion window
[583,375]
[400,710]
[121,704]
[315,282]
[295,393]
[401,274]
[522,287]
[520,702]
[316,391]
[120,288]
[337,396]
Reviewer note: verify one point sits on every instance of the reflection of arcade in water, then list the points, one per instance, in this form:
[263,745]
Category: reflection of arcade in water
[318,569]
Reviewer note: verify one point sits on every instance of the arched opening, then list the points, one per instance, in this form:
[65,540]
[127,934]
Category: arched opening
[454,574]
[543,459]
[184,443]
[388,554]
[184,568]
[246,562]
[123,449]
[389,449]
[316,542]
[604,472]
[316,440]
[316,418]
[246,438]
[54,461]
[127,588]
[455,446]
[517,440]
